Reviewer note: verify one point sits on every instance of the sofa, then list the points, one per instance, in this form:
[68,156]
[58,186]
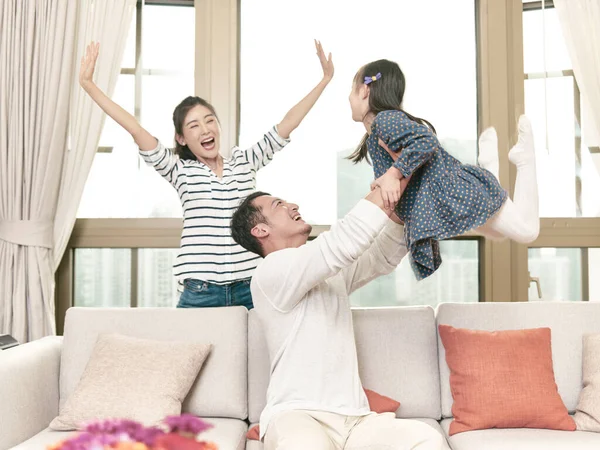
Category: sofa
[399,351]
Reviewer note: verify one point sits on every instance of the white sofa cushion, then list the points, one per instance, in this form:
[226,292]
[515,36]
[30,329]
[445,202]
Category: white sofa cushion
[397,357]
[131,378]
[521,439]
[587,416]
[221,388]
[228,434]
[568,322]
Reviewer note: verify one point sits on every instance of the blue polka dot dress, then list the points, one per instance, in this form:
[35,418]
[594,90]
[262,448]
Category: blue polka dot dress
[444,198]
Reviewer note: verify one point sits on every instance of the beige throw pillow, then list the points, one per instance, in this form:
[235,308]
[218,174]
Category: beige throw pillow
[587,416]
[132,378]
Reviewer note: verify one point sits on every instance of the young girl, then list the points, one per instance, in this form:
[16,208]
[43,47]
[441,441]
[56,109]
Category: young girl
[444,198]
[215,271]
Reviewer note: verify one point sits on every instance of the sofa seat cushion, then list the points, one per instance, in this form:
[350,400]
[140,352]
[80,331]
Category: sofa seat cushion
[258,445]
[521,439]
[43,439]
[228,434]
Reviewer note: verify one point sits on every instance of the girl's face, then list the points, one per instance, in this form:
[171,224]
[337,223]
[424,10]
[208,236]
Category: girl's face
[201,133]
[359,101]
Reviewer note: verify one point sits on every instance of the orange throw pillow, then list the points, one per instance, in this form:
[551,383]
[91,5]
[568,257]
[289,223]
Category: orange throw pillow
[380,403]
[503,379]
[377,403]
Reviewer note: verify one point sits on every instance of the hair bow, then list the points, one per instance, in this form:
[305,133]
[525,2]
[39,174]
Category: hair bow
[369,80]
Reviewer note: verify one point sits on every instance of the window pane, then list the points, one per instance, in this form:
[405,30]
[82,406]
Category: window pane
[542,27]
[168,38]
[559,272]
[120,185]
[128,61]
[457,280]
[160,95]
[277,73]
[550,105]
[156,284]
[102,277]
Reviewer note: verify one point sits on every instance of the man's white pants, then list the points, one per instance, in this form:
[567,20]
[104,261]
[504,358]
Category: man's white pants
[316,430]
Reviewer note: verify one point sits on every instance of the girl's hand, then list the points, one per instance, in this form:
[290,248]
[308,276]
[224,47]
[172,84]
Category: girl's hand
[390,186]
[326,63]
[392,173]
[88,64]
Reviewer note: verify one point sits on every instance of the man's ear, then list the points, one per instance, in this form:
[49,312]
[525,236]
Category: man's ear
[180,140]
[260,231]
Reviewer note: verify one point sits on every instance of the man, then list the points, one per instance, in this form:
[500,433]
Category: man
[315,398]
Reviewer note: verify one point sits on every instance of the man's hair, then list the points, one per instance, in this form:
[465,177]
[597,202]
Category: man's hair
[246,217]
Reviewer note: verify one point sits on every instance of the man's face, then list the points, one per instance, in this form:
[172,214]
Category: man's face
[283,219]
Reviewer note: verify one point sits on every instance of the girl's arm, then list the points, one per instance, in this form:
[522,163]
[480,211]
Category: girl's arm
[416,143]
[295,115]
[144,140]
[409,143]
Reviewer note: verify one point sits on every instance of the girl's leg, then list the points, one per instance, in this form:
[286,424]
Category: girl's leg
[488,151]
[488,159]
[519,219]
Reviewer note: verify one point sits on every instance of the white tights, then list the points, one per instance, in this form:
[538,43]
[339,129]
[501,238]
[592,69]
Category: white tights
[518,219]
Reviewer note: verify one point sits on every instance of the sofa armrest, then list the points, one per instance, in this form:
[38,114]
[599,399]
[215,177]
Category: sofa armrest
[29,376]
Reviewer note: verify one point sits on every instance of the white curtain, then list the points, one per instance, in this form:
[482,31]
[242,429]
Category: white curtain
[41,43]
[580,24]
[106,22]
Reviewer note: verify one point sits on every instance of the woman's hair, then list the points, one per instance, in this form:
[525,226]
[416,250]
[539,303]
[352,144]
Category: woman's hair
[178,118]
[386,93]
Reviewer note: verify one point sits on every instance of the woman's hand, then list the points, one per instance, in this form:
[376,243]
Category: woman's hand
[326,63]
[88,64]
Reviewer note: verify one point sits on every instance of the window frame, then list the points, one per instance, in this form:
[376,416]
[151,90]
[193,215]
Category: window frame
[503,274]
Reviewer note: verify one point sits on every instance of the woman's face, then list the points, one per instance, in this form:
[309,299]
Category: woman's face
[201,133]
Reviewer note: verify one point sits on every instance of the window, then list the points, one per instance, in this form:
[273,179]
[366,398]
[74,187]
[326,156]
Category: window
[157,72]
[121,277]
[313,170]
[567,156]
[564,259]
[565,274]
[120,185]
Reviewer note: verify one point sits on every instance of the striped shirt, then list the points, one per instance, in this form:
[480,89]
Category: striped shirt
[208,252]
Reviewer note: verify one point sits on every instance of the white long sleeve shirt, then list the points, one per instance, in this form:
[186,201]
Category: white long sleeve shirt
[301,299]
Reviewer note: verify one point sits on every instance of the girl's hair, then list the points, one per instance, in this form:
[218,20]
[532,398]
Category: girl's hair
[178,118]
[386,94]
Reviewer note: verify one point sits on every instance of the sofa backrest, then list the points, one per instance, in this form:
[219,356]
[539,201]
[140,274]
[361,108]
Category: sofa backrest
[569,321]
[221,388]
[397,356]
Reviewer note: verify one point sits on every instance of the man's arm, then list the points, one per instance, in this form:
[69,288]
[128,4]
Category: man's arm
[285,276]
[381,258]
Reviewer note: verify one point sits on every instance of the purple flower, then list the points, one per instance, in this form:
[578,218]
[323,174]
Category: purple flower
[147,435]
[186,423]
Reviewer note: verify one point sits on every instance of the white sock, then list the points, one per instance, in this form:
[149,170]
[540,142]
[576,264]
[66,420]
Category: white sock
[488,151]
[523,152]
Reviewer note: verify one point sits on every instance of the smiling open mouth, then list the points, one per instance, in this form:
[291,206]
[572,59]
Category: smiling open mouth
[208,143]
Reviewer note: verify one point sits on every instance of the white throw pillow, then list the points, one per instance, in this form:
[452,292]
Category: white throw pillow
[132,378]
[587,416]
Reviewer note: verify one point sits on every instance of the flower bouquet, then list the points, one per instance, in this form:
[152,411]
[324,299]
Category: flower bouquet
[175,433]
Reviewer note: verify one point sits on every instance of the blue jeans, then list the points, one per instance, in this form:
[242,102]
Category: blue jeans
[201,294]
